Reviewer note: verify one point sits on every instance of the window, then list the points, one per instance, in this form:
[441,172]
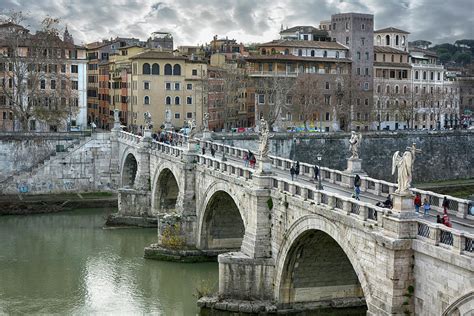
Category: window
[189,86]
[362,26]
[396,40]
[366,71]
[347,25]
[327,99]
[177,115]
[424,75]
[177,101]
[379,40]
[328,116]
[176,70]
[168,70]
[63,68]
[177,86]
[155,69]
[195,72]
[358,71]
[168,85]
[337,54]
[189,115]
[416,75]
[146,69]
[168,100]
[358,55]
[404,89]
[325,54]
[439,76]
[366,101]
[53,84]
[74,69]
[146,100]
[362,41]
[378,89]
[146,85]
[366,55]
[300,52]
[396,89]
[43,84]
[261,99]
[387,40]
[347,40]
[74,85]
[366,86]
[383,57]
[432,76]
[189,100]
[312,53]
[327,85]
[401,59]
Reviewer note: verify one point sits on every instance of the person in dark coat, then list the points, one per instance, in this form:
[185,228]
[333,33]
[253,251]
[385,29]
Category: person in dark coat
[292,172]
[297,169]
[445,204]
[316,172]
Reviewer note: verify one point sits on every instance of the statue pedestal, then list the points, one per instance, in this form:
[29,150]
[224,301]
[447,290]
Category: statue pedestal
[354,166]
[403,205]
[147,133]
[206,135]
[264,167]
[168,126]
[192,145]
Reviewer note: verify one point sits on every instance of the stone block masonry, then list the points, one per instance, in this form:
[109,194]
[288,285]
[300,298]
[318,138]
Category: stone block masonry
[85,167]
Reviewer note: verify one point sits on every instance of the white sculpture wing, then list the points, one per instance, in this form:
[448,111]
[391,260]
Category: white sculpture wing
[395,161]
[408,162]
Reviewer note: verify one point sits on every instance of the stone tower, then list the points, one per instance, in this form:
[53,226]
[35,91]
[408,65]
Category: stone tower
[67,38]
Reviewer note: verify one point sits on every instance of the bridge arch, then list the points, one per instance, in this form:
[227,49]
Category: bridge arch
[129,170]
[166,189]
[461,306]
[221,221]
[316,262]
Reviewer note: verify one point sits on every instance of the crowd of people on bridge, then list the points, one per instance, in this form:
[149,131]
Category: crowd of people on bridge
[417,202]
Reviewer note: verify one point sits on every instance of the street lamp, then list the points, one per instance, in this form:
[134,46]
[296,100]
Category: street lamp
[319,157]
[223,149]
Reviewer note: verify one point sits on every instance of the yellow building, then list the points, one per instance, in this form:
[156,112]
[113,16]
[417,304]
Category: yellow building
[162,80]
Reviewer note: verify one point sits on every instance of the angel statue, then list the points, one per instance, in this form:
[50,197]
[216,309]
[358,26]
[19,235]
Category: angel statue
[354,144]
[192,128]
[264,135]
[205,121]
[147,119]
[405,168]
[167,116]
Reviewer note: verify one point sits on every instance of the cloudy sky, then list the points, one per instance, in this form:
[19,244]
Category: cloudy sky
[196,21]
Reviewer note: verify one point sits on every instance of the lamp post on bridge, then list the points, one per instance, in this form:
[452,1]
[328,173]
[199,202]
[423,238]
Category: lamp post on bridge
[319,157]
[223,149]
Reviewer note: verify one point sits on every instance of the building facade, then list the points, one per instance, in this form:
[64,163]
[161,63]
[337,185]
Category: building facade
[163,81]
[55,88]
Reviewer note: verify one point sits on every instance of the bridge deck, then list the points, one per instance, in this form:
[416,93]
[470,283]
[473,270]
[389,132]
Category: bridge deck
[458,223]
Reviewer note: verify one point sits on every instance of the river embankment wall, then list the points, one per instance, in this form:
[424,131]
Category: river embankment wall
[445,154]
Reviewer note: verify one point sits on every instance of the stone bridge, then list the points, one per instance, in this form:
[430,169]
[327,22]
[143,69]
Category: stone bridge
[288,245]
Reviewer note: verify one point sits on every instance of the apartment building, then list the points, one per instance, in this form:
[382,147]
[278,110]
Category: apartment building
[163,80]
[56,85]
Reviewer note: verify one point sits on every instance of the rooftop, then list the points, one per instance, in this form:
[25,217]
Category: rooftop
[391,30]
[388,50]
[154,54]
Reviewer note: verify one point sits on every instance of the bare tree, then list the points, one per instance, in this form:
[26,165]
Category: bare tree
[35,83]
[308,97]
[274,96]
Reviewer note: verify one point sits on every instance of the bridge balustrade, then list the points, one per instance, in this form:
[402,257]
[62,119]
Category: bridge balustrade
[443,236]
[129,137]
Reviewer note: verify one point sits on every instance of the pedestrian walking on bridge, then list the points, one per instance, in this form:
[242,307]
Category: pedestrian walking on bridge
[292,172]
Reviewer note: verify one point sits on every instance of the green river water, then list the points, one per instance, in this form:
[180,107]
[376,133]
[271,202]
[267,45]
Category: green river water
[66,263]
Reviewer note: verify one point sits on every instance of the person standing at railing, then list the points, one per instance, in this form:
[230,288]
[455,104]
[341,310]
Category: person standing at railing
[357,182]
[316,172]
[213,151]
[417,203]
[292,172]
[426,207]
[445,204]
[297,169]
[246,160]
[446,220]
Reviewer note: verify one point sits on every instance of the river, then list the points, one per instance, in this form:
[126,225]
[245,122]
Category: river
[66,263]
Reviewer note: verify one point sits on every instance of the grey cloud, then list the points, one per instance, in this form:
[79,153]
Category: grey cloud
[193,22]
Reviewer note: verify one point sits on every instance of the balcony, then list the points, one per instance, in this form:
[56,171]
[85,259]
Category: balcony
[258,73]
[428,66]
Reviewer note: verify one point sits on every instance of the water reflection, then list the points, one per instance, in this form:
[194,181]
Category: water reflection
[66,263]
